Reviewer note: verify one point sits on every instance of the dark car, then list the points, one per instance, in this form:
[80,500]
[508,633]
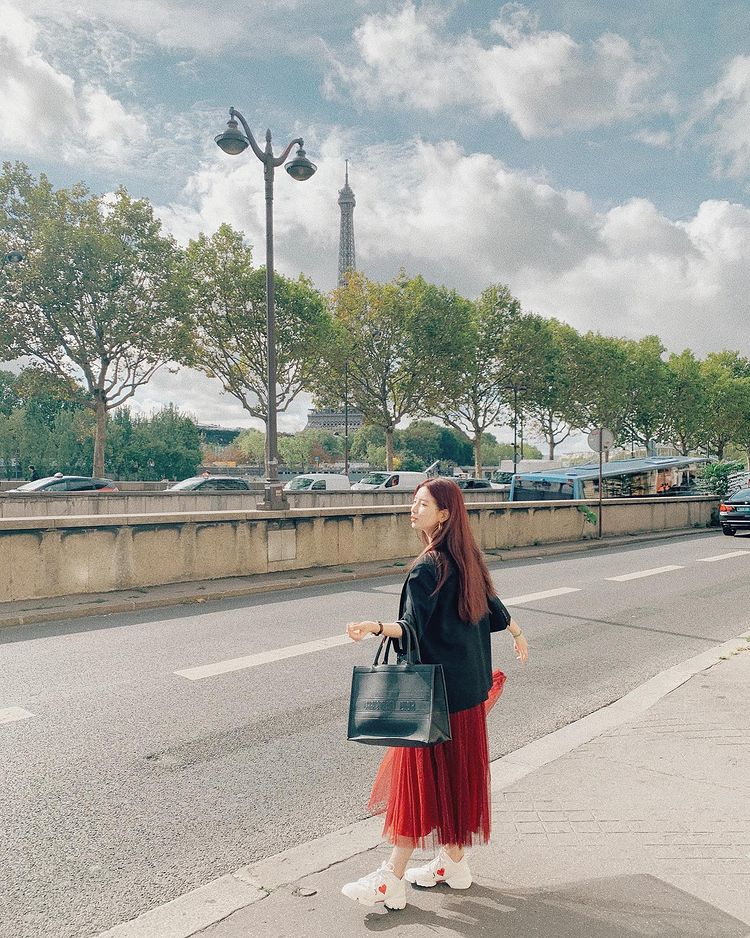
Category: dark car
[211,484]
[734,513]
[61,483]
[474,484]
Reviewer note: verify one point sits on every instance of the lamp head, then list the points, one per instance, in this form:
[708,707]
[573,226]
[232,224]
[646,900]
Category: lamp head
[14,257]
[232,141]
[300,167]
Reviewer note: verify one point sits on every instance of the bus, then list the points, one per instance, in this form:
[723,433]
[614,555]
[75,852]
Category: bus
[623,478]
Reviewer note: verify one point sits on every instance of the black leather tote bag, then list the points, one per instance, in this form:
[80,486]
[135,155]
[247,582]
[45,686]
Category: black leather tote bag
[401,704]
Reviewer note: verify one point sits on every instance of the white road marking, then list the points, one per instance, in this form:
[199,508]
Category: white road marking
[264,657]
[641,573]
[546,594]
[729,553]
[11,714]
[306,648]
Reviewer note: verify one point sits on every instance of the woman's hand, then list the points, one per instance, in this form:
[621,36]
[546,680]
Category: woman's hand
[358,630]
[522,648]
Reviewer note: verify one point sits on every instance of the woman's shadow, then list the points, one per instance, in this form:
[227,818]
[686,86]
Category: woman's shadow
[637,906]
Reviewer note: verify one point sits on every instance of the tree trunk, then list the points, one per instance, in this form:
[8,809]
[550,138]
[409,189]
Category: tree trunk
[551,440]
[389,448]
[478,455]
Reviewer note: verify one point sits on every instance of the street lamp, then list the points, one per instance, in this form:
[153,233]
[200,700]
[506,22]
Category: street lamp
[234,142]
[346,417]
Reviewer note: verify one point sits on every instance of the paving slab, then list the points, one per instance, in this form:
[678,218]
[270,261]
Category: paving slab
[642,831]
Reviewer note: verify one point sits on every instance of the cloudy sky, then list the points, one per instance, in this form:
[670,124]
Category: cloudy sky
[593,154]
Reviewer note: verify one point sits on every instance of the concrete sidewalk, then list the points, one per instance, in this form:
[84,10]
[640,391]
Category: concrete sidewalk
[633,821]
[56,608]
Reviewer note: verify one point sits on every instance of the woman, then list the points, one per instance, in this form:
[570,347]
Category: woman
[441,793]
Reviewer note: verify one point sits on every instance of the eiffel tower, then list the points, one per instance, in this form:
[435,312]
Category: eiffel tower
[346,235]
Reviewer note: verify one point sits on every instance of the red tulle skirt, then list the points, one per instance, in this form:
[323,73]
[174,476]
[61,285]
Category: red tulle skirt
[440,794]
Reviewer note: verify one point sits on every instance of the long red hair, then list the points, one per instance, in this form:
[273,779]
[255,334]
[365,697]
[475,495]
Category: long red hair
[454,541]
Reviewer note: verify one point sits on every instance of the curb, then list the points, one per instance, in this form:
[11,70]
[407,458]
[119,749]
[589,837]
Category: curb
[114,606]
[209,904]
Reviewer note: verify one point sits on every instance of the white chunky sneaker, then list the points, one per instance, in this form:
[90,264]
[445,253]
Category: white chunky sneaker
[380,886]
[441,870]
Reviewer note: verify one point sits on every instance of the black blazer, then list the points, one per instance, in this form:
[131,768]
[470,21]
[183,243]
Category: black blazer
[462,648]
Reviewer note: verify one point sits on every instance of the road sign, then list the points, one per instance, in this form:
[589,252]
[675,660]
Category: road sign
[600,439]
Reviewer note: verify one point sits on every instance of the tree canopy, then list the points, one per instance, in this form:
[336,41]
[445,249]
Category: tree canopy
[96,300]
[228,323]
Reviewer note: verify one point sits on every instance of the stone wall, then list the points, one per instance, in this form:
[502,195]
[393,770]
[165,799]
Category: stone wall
[56,556]
[157,502]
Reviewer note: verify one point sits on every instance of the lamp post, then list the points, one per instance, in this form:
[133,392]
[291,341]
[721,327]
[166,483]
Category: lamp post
[346,418]
[233,142]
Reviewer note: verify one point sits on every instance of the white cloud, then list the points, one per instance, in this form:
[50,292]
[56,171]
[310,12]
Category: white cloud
[42,107]
[204,27]
[728,105]
[543,81]
[654,138]
[467,220]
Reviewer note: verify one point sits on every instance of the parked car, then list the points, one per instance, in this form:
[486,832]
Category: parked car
[464,483]
[734,513]
[318,482]
[211,484]
[61,483]
[390,482]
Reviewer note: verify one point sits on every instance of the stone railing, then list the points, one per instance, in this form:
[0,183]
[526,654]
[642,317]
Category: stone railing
[63,555]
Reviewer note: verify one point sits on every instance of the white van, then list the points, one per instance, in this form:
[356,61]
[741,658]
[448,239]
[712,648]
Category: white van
[390,482]
[318,482]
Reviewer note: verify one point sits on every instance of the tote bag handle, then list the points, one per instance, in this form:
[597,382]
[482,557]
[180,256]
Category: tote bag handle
[413,654]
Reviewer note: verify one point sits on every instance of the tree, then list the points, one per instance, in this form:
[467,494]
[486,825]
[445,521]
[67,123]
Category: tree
[309,448]
[8,393]
[52,440]
[96,299]
[600,390]
[395,345]
[724,373]
[647,389]
[478,398]
[252,444]
[164,446]
[229,327]
[365,437]
[742,433]
[548,400]
[685,402]
[427,441]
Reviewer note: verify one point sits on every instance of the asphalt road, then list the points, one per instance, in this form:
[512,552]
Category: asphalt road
[131,784]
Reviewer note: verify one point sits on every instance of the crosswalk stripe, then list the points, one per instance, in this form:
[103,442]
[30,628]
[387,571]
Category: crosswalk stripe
[12,714]
[642,573]
[726,556]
